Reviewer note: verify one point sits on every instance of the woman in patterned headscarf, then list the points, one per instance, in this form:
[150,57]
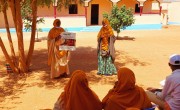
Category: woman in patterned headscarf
[77,95]
[125,93]
[105,49]
[58,60]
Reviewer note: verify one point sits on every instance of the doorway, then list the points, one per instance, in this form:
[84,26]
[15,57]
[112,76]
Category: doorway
[94,14]
[137,9]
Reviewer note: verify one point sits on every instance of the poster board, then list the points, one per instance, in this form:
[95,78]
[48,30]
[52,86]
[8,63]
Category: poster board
[69,41]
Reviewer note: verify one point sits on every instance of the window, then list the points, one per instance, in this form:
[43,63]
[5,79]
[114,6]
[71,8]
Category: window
[73,9]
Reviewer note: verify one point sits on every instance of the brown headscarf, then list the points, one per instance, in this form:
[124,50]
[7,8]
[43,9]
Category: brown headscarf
[77,95]
[125,93]
[56,30]
[132,109]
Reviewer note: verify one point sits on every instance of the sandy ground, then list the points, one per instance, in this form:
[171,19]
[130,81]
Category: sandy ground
[147,55]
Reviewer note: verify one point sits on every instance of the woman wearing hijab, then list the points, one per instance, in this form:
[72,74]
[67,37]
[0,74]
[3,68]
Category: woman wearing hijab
[106,50]
[77,95]
[125,93]
[57,59]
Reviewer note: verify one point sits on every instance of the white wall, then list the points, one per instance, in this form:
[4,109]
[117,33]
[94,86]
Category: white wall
[148,19]
[75,21]
[174,12]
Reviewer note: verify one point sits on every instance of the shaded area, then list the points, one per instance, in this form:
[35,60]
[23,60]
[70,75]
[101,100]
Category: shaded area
[84,58]
[125,38]
[11,87]
[125,59]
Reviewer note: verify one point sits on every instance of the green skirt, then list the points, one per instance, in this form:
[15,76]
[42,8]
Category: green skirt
[106,65]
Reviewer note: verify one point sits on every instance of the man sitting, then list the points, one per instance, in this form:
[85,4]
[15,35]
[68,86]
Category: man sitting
[169,97]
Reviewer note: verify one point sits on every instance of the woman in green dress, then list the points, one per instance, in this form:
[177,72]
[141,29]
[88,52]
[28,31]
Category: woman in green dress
[106,50]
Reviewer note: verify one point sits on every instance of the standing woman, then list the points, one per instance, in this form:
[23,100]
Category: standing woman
[57,59]
[106,50]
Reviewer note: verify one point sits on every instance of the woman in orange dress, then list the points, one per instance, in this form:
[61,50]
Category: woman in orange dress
[106,50]
[125,93]
[57,59]
[77,95]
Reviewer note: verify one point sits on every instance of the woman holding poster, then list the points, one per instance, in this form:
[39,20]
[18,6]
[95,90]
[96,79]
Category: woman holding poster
[106,51]
[57,59]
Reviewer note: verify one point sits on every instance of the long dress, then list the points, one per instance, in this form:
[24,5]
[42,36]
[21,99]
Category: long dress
[57,59]
[106,41]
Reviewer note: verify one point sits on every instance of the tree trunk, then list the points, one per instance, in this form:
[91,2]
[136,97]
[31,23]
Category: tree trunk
[118,34]
[16,12]
[12,7]
[33,33]
[8,33]
[8,59]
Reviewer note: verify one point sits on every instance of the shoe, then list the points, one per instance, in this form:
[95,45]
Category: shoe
[99,73]
[63,75]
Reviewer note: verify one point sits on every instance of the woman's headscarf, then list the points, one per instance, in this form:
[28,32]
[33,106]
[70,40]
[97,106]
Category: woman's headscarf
[125,93]
[77,95]
[56,23]
[56,30]
[106,38]
[106,30]
[132,109]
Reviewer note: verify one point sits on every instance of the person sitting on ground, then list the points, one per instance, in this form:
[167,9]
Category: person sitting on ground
[125,94]
[57,59]
[77,95]
[169,97]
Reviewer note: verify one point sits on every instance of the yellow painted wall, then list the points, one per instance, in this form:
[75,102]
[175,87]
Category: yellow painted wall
[10,19]
[105,6]
[147,6]
[49,12]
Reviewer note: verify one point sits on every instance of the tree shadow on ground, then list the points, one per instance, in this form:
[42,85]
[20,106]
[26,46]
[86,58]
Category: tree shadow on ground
[125,38]
[11,87]
[125,59]
[84,58]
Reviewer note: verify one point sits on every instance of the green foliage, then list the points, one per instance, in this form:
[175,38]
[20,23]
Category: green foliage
[26,13]
[43,3]
[26,10]
[120,18]
[65,3]
[28,23]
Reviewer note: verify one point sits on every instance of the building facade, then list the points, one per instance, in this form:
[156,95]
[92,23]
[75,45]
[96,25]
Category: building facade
[91,12]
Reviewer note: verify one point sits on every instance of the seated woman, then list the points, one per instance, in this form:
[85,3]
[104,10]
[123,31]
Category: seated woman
[77,95]
[125,93]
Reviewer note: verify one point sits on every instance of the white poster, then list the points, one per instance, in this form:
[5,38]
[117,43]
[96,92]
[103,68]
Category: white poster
[69,41]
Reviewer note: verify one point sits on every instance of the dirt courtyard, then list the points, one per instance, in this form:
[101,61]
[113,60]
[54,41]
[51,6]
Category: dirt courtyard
[147,55]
